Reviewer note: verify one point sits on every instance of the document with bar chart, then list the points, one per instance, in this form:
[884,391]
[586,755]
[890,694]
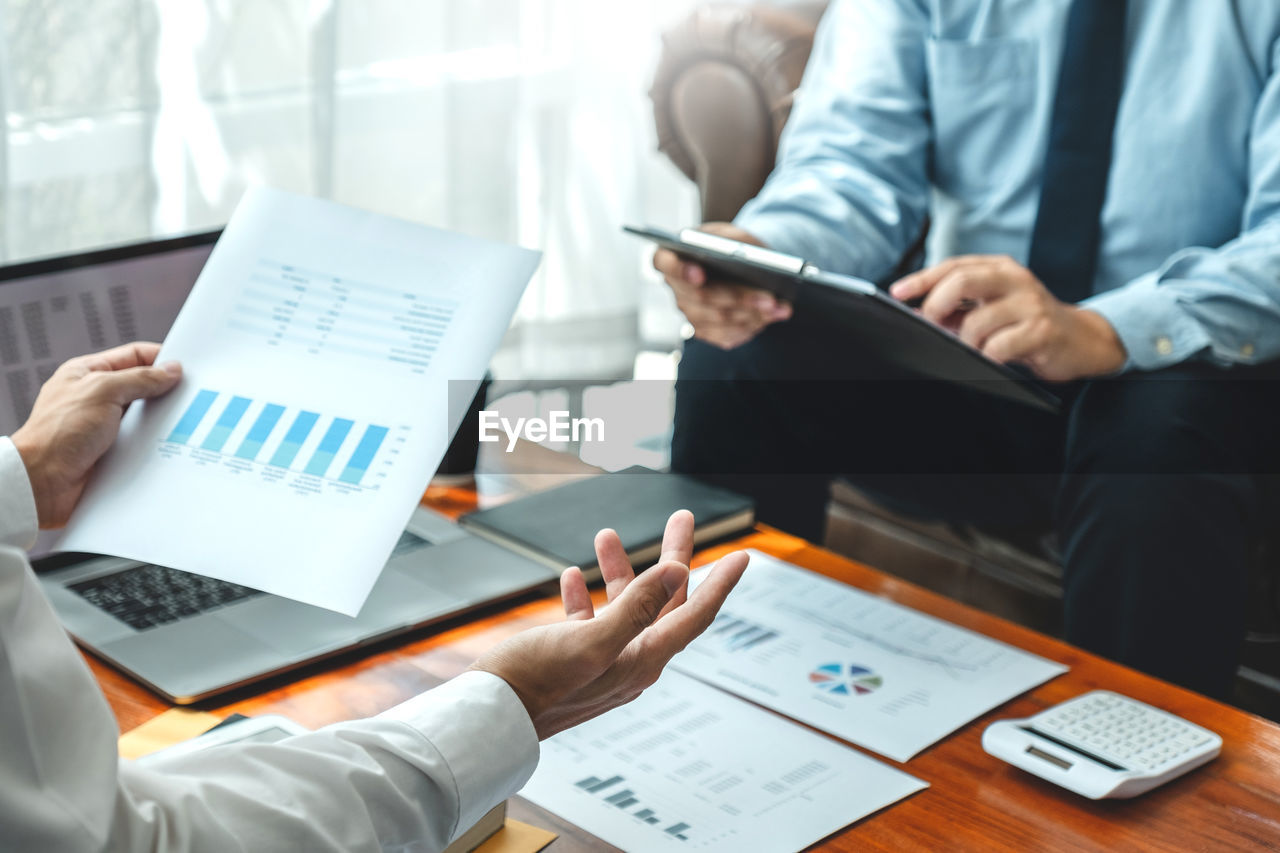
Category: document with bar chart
[318,347]
[687,767]
[861,667]
[283,444]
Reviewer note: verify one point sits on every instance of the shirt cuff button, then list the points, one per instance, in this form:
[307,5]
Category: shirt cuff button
[1164,346]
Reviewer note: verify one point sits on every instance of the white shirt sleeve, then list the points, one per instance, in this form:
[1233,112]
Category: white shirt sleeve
[18,522]
[409,779]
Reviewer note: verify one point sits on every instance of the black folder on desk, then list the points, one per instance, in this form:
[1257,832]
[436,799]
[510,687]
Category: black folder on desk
[557,527]
[881,323]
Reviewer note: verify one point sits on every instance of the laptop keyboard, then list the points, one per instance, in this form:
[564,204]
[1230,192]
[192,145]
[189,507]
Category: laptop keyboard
[149,596]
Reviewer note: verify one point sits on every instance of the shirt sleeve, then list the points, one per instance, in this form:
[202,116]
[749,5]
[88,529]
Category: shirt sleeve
[409,779]
[850,190]
[18,522]
[1222,304]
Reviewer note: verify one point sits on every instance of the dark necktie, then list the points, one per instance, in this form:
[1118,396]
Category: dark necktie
[1065,243]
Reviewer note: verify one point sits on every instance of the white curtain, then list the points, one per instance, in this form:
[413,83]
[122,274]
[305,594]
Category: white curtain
[520,120]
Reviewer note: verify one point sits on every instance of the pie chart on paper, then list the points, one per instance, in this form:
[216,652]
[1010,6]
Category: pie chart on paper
[845,680]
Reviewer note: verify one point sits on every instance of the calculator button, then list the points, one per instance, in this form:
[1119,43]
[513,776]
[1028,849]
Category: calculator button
[1121,731]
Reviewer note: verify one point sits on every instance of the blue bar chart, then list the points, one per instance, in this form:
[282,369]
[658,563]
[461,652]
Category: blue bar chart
[262,427]
[191,418]
[288,449]
[365,451]
[311,444]
[227,421]
[333,438]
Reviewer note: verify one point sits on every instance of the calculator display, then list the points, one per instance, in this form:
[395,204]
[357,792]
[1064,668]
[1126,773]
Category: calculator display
[1052,759]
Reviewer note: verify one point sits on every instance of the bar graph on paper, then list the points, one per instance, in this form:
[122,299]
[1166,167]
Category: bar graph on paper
[687,768]
[282,442]
[624,798]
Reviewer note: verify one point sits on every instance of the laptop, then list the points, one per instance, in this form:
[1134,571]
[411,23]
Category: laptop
[189,637]
[185,636]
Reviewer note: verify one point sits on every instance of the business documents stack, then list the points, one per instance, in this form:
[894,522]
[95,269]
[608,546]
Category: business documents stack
[690,765]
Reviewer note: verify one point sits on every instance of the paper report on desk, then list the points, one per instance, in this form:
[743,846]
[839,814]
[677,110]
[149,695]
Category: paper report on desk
[858,666]
[687,767]
[317,348]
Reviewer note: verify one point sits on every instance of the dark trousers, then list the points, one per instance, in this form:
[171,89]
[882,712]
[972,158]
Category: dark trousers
[1154,485]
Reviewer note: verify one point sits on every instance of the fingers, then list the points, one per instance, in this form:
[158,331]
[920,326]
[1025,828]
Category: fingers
[615,566]
[673,267]
[963,288]
[677,539]
[728,297]
[637,607]
[1011,344]
[728,315]
[139,354]
[679,628]
[677,547]
[137,383]
[980,324]
[722,313]
[574,594]
[919,284]
[125,373]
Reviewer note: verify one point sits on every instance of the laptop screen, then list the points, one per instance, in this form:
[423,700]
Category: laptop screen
[57,308]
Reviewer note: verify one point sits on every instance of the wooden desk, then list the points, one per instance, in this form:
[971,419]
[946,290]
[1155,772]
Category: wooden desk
[975,802]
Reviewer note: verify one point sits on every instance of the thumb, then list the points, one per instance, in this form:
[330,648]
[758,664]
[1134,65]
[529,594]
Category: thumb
[137,383]
[639,605]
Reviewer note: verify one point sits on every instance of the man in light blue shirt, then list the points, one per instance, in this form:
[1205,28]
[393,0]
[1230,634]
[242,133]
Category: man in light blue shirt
[941,114]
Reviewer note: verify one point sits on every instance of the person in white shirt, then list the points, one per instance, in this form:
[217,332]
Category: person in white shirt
[409,779]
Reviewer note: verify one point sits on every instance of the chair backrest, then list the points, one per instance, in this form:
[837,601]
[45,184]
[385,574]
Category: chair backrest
[723,91]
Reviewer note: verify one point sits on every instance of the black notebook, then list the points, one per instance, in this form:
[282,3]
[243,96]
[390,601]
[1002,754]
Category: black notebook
[558,527]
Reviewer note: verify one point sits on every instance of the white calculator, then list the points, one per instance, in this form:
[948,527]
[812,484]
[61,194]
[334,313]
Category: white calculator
[1101,745]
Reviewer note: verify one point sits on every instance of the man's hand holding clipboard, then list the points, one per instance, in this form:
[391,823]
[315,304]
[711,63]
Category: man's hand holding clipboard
[723,312]
[731,289]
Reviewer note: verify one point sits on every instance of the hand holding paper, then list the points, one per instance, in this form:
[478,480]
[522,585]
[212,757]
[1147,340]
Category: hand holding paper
[317,347]
[76,417]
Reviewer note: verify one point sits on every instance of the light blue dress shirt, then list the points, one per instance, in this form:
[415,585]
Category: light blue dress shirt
[942,107]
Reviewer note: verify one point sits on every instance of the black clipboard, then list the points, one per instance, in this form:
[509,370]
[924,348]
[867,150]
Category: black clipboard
[882,323]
